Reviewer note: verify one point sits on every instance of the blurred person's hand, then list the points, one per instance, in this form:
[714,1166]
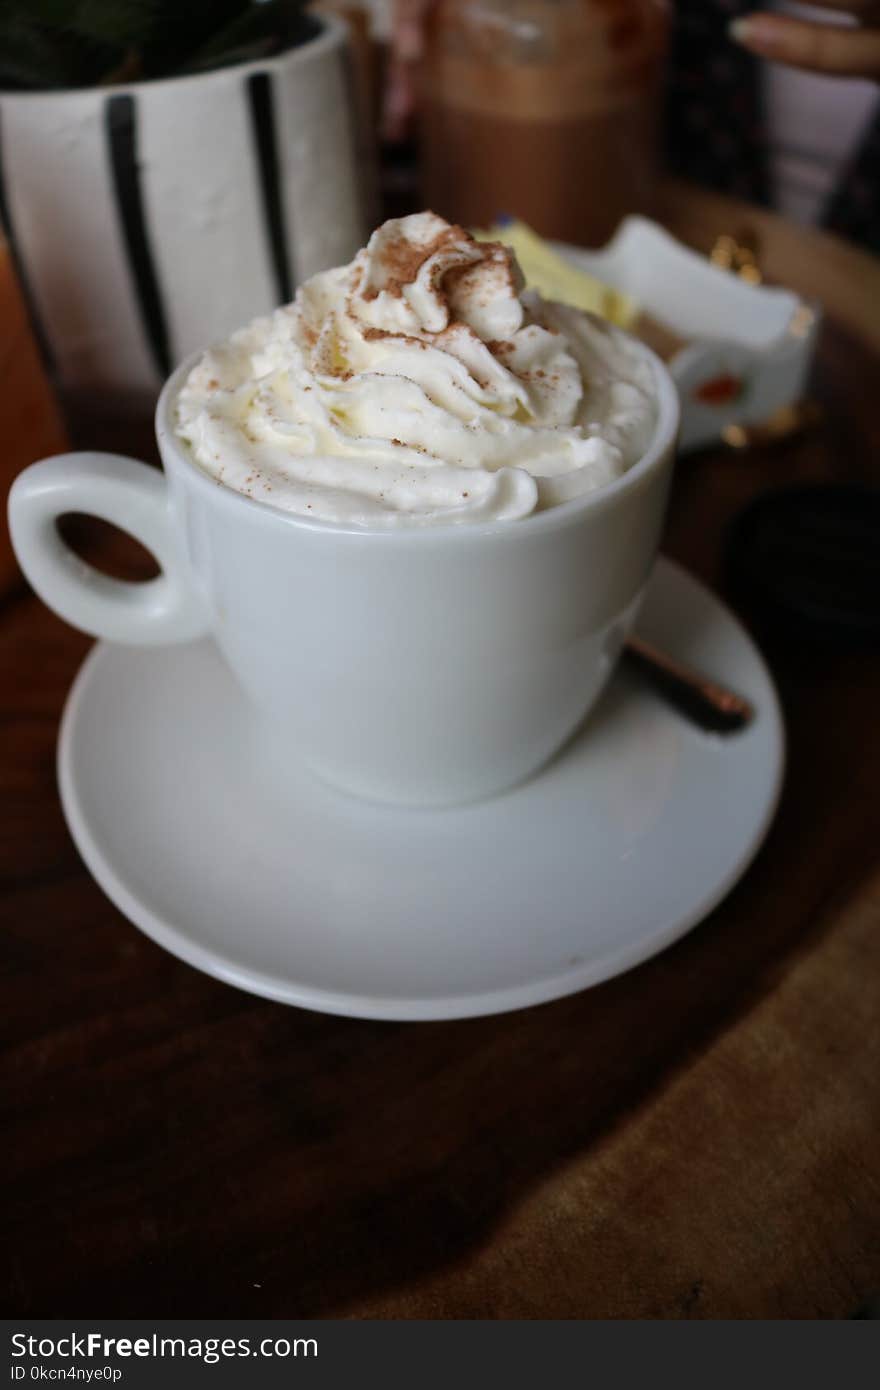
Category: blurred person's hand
[814,45]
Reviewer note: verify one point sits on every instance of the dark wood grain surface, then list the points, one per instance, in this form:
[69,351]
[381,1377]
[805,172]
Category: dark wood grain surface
[697,1138]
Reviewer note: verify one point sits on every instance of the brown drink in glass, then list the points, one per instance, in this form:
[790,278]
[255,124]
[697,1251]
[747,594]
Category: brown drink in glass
[548,110]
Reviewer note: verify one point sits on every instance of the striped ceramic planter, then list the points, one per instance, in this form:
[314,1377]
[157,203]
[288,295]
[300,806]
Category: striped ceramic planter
[148,220]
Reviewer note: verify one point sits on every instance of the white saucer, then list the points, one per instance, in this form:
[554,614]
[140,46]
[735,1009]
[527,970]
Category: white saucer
[630,837]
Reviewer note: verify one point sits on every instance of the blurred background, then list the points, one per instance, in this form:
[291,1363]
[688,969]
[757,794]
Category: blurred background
[171,168]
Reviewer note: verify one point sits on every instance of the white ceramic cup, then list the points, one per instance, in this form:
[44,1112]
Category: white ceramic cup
[422,666]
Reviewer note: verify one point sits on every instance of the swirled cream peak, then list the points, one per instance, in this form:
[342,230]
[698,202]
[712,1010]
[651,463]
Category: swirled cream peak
[420,384]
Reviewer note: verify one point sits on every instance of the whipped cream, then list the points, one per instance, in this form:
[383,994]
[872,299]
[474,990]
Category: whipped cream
[420,384]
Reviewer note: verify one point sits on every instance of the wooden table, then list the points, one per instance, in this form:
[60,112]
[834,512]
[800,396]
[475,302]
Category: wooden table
[698,1138]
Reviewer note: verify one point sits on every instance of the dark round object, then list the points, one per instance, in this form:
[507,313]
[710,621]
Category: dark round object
[806,562]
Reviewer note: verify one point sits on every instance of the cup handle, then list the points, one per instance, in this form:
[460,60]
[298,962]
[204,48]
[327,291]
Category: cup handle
[129,495]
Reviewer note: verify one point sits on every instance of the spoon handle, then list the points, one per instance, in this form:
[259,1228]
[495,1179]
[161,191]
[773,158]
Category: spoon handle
[707,703]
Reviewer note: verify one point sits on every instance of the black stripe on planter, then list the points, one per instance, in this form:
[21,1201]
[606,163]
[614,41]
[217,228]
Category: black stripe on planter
[120,124]
[27,294]
[259,86]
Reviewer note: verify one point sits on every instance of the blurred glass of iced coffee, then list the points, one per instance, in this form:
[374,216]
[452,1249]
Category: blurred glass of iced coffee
[546,110]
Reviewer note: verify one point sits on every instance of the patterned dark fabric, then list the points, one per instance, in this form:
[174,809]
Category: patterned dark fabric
[854,208]
[714,126]
[715,122]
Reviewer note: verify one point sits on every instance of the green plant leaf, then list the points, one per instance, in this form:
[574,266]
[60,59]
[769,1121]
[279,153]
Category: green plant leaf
[50,44]
[128,23]
[33,57]
[267,27]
